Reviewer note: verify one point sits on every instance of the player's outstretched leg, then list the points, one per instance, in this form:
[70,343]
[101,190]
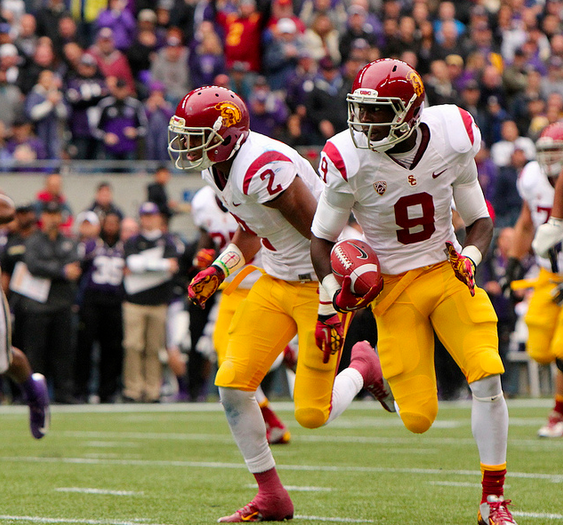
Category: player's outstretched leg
[272,503]
[37,398]
[366,361]
[554,426]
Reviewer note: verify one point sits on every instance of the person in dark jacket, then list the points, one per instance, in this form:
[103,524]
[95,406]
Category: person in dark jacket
[52,259]
[151,260]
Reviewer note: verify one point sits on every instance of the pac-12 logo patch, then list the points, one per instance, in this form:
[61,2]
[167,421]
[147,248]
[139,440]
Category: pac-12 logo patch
[380,187]
[230,113]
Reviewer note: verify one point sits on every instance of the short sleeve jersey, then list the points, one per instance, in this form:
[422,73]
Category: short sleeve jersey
[263,168]
[405,212]
[538,193]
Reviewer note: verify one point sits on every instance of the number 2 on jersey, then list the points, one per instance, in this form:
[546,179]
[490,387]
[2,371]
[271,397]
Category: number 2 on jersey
[424,224]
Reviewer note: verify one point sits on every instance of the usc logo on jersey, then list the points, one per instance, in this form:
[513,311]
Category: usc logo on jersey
[230,113]
[414,78]
[412,180]
[380,187]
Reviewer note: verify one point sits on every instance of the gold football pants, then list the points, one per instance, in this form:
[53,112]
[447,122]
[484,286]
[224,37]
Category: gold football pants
[466,325]
[263,324]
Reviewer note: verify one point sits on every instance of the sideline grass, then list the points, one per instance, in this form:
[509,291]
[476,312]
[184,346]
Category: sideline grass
[178,465]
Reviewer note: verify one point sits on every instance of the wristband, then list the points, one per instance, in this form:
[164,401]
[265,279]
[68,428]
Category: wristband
[325,303]
[555,221]
[331,286]
[230,260]
[473,253]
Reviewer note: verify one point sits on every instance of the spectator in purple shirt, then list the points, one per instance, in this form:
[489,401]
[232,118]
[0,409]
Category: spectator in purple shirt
[84,90]
[207,60]
[122,122]
[268,112]
[121,21]
[159,111]
[24,147]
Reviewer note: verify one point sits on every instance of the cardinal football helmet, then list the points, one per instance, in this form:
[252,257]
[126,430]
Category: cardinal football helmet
[385,82]
[549,148]
[209,126]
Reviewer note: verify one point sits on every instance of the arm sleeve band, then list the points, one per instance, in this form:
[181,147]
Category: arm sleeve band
[331,217]
[470,202]
[230,260]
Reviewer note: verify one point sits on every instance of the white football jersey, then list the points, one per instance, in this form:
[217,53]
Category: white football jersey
[262,169]
[208,215]
[405,213]
[536,190]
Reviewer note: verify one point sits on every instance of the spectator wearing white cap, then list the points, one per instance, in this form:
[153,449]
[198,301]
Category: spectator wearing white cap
[282,53]
[151,260]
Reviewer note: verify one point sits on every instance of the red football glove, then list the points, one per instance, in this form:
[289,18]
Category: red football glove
[203,258]
[329,335]
[204,285]
[464,268]
[345,301]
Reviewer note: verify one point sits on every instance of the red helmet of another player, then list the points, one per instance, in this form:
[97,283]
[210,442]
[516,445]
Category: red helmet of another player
[209,126]
[549,149]
[386,84]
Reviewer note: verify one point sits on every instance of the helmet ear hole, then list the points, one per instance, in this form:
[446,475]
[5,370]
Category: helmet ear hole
[226,141]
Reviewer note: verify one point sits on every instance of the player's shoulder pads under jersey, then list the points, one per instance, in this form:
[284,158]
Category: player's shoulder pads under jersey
[460,132]
[339,156]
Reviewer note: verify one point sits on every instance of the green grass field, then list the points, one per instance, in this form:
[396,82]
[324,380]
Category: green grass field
[178,465]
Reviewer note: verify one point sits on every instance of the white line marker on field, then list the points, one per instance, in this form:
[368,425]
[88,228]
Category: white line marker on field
[100,491]
[554,478]
[40,519]
[537,515]
[296,488]
[336,520]
[456,484]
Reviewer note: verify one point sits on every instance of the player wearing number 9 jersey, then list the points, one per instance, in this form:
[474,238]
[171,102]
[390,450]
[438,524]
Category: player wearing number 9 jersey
[398,169]
[272,193]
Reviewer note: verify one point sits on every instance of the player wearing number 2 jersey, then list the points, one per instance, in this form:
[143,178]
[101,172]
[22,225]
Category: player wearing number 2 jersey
[398,168]
[272,193]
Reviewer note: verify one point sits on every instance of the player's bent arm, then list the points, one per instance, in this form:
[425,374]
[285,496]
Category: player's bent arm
[472,208]
[523,233]
[248,243]
[551,233]
[297,204]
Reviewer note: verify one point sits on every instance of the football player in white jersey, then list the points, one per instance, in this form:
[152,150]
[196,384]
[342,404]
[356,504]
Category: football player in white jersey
[217,227]
[272,193]
[13,362]
[398,168]
[544,317]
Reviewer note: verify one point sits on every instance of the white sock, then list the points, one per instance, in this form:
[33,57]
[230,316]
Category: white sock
[260,396]
[489,420]
[248,428]
[347,386]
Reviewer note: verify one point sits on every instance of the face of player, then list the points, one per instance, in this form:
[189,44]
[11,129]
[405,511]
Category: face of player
[376,114]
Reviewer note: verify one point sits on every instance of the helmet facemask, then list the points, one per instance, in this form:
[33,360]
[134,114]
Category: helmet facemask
[550,156]
[188,146]
[399,128]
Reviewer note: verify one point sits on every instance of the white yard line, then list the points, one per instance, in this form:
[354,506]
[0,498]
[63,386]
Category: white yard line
[332,520]
[84,490]
[555,478]
[296,488]
[41,519]
[537,515]
[216,407]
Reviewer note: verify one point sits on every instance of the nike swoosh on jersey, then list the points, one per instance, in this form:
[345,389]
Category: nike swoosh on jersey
[236,204]
[436,175]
